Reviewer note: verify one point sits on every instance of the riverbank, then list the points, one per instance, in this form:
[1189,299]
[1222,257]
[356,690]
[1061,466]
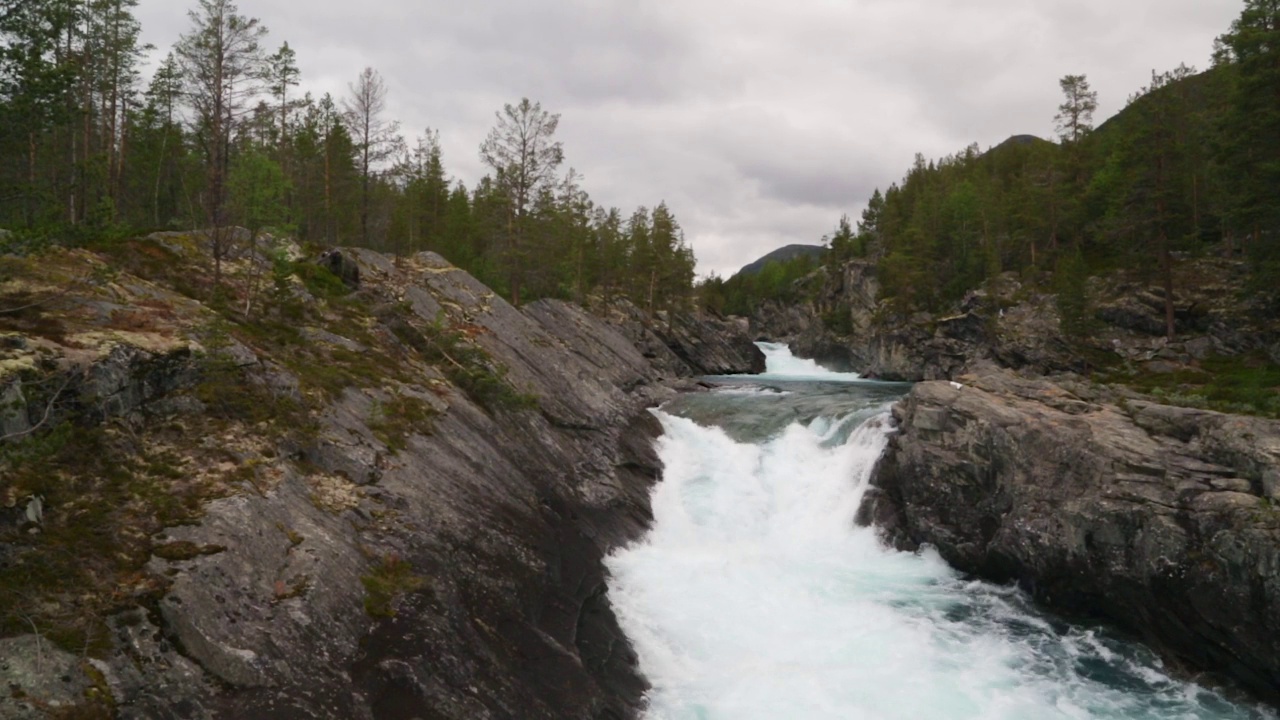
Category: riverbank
[1093,470]
[345,502]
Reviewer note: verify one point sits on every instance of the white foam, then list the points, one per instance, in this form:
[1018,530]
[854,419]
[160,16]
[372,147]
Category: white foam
[780,364]
[754,597]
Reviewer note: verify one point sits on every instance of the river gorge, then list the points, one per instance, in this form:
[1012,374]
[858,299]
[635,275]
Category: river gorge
[756,596]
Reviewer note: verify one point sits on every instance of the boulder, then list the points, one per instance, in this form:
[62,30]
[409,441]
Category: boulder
[342,266]
[1158,518]
[684,344]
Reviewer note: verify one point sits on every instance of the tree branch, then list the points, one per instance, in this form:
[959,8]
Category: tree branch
[48,412]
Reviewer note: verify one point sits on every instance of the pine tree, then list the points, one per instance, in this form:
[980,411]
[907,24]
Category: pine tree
[377,139]
[524,155]
[1251,131]
[221,59]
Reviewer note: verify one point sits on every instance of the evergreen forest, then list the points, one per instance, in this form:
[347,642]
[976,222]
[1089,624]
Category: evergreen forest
[91,152]
[1190,167]
[219,136]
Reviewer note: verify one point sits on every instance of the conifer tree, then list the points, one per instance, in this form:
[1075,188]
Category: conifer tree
[524,155]
[221,59]
[377,139]
[1251,130]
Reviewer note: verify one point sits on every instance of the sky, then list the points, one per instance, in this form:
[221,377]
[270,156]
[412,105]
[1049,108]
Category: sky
[759,122]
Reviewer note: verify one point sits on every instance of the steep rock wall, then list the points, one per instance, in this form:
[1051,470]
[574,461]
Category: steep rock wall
[441,563]
[1159,518]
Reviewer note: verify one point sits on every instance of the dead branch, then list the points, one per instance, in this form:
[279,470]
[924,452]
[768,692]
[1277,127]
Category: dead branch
[48,412]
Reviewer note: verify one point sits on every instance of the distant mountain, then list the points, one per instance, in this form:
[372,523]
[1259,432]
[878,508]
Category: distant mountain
[1019,140]
[783,254]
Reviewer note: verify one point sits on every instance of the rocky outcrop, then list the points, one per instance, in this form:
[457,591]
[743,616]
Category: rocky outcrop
[845,324]
[1160,518]
[425,541]
[682,344]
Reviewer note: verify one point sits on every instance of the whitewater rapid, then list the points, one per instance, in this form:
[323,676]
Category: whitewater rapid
[754,596]
[780,364]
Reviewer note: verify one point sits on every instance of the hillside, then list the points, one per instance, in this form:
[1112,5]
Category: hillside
[318,489]
[782,255]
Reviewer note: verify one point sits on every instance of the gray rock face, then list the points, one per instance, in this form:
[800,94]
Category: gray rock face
[47,679]
[846,324]
[684,344]
[1157,517]
[487,529]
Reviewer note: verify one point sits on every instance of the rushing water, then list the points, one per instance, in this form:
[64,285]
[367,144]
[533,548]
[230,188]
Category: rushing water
[754,596]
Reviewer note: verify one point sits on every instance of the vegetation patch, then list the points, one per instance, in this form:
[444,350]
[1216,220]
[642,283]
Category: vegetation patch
[471,370]
[333,494]
[394,420]
[317,279]
[1248,385]
[385,583]
[185,550]
[103,493]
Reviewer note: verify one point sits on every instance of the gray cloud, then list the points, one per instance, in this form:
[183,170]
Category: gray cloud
[758,122]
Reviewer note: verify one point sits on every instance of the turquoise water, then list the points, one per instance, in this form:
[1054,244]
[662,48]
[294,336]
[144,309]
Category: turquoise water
[754,596]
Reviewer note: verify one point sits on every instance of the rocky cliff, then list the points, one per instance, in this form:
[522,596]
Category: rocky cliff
[1054,462]
[300,501]
[1014,322]
[1160,518]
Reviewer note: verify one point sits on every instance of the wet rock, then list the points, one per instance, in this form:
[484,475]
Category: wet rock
[1149,515]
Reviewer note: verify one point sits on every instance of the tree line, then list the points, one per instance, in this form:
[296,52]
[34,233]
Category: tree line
[219,136]
[1190,166]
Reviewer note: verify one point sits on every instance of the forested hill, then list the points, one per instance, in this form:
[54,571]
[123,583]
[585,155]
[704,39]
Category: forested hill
[92,152]
[1189,168]
[782,255]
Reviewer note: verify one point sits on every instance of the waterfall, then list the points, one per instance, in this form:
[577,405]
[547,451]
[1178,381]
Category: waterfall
[754,596]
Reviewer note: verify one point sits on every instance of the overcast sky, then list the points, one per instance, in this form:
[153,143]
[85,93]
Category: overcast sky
[759,122]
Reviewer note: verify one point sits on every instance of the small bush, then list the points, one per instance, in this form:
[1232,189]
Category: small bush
[395,420]
[390,579]
[319,281]
[471,370]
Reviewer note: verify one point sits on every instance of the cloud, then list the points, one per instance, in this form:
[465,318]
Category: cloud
[758,122]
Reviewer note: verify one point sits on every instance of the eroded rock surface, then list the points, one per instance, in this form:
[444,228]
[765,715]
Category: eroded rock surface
[443,564]
[845,323]
[1158,517]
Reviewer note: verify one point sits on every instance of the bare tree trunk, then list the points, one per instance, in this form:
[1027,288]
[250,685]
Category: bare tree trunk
[31,177]
[513,232]
[1166,268]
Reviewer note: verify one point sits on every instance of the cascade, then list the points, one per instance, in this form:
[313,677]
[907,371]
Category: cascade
[754,595]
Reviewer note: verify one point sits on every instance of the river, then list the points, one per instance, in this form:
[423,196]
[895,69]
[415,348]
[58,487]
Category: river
[754,595]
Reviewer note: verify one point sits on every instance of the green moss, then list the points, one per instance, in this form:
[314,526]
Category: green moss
[319,281]
[388,580]
[184,550]
[395,420]
[1247,385]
